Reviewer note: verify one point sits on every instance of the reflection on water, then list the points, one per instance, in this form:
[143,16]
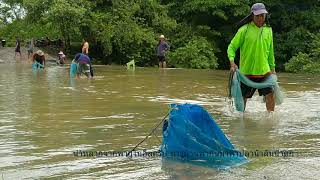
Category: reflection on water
[45,116]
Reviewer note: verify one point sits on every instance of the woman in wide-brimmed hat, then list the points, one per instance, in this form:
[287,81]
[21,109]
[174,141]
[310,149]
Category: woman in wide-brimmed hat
[39,58]
[61,58]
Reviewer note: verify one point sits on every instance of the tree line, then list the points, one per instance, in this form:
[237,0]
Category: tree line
[198,31]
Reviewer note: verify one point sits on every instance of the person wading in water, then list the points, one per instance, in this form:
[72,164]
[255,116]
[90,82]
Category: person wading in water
[85,50]
[255,40]
[162,48]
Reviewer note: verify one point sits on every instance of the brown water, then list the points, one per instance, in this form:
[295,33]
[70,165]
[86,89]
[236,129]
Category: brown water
[45,117]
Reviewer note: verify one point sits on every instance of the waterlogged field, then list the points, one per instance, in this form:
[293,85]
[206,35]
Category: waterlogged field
[47,118]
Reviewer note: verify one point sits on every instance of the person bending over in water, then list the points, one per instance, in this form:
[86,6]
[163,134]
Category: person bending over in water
[83,64]
[39,58]
[61,58]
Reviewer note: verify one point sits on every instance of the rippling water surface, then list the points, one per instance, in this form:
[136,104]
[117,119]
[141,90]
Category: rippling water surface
[45,117]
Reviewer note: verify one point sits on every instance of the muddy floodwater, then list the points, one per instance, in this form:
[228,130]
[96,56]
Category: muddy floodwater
[45,117]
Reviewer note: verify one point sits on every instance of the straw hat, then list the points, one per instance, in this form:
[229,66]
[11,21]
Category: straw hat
[40,53]
[60,53]
[161,36]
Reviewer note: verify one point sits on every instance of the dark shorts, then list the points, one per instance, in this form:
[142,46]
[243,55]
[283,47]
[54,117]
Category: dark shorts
[17,50]
[162,58]
[84,68]
[248,92]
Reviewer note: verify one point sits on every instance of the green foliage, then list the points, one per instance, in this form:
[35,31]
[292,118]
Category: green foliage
[67,15]
[197,54]
[36,9]
[129,30]
[119,31]
[306,62]
[133,42]
[291,43]
[154,15]
[104,30]
[298,62]
[5,14]
[315,47]
[311,68]
[25,31]
[211,19]
[11,10]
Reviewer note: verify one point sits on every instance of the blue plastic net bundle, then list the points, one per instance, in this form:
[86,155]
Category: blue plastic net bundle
[36,65]
[73,69]
[192,135]
[235,89]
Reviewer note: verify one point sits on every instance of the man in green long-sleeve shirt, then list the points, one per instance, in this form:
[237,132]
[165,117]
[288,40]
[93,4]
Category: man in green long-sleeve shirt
[255,40]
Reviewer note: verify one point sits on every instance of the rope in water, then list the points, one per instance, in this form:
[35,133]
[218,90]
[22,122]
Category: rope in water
[152,131]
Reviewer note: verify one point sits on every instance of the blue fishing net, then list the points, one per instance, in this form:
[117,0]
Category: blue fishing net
[236,94]
[37,65]
[73,69]
[192,135]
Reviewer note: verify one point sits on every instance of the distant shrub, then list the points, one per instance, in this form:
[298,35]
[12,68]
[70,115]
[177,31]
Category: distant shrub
[303,63]
[296,63]
[196,54]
